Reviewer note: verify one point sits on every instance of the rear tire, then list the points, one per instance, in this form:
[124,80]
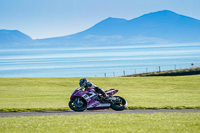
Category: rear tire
[119,106]
[73,106]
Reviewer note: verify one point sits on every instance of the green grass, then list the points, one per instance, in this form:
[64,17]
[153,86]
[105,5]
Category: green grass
[32,94]
[104,123]
[178,72]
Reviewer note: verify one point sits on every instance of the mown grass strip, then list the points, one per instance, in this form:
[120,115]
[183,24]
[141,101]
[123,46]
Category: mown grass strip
[32,109]
[67,108]
[166,107]
[36,94]
[104,123]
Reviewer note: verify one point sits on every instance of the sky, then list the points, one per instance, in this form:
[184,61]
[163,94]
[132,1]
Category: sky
[53,18]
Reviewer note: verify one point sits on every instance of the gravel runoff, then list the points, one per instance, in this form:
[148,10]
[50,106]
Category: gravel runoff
[70,112]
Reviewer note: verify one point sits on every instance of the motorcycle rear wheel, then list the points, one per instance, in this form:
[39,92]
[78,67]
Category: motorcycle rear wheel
[73,106]
[119,106]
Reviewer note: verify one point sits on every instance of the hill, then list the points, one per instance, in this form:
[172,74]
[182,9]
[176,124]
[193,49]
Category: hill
[13,37]
[152,28]
[157,27]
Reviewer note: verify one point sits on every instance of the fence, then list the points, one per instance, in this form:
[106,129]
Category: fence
[130,71]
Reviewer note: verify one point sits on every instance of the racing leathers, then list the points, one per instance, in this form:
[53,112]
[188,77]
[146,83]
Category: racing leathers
[90,85]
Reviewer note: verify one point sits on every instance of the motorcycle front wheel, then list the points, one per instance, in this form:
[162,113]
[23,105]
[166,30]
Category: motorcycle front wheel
[78,104]
[119,104]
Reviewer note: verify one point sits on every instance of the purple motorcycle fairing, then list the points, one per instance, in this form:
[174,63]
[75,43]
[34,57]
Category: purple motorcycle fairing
[111,92]
[89,98]
[77,93]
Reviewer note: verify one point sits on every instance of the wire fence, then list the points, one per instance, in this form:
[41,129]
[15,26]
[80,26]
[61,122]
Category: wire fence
[138,70]
[115,71]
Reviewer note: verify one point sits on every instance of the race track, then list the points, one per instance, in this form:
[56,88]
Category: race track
[70,112]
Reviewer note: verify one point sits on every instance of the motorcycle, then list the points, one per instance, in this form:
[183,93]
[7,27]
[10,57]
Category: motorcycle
[81,100]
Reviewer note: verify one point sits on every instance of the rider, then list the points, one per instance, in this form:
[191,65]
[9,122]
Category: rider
[89,85]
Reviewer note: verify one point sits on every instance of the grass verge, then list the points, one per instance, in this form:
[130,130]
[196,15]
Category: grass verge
[32,109]
[104,123]
[178,72]
[67,108]
[36,94]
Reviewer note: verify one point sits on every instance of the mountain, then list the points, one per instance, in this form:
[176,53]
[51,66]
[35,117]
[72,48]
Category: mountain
[13,37]
[156,27]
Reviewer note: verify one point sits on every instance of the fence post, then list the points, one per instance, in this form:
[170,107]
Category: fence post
[192,65]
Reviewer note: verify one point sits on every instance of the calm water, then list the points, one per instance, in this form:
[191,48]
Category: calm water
[91,62]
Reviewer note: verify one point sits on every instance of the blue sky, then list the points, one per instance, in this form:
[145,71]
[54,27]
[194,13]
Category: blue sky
[52,18]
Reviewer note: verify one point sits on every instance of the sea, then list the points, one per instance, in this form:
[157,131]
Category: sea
[106,61]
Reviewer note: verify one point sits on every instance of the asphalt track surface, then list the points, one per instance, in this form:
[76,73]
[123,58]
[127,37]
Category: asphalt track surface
[70,112]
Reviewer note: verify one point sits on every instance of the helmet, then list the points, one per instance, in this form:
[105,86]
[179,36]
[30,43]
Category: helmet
[83,82]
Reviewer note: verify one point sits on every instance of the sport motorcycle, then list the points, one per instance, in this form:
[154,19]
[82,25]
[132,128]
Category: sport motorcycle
[81,100]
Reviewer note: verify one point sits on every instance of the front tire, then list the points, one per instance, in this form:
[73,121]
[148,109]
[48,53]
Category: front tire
[77,106]
[120,104]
